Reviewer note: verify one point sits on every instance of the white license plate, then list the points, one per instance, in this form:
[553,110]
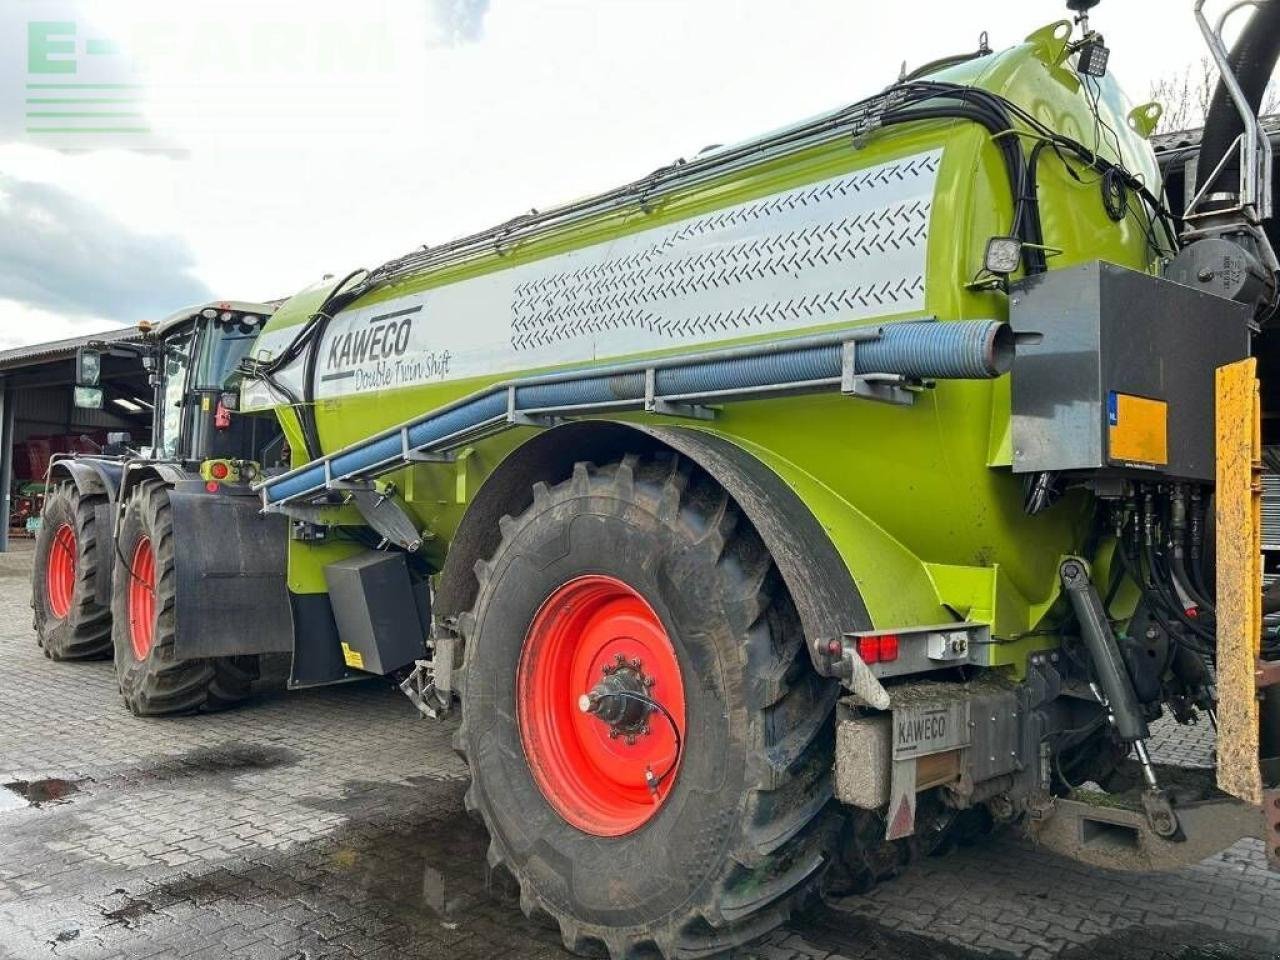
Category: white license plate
[920,731]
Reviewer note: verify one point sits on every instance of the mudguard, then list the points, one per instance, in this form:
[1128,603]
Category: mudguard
[231,596]
[826,597]
[90,475]
[94,477]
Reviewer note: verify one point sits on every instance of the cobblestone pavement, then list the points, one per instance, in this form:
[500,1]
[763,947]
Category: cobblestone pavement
[329,824]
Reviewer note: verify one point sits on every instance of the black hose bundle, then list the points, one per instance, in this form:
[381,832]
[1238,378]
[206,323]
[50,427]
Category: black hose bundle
[930,100]
[1147,560]
[305,343]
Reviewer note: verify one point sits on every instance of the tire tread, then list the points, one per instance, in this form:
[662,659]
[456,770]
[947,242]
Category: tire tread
[165,685]
[89,622]
[788,819]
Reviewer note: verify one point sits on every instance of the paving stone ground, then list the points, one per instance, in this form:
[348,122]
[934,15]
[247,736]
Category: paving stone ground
[329,824]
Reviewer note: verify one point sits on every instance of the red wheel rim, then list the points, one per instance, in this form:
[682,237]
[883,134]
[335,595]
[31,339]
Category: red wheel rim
[142,598]
[598,783]
[60,571]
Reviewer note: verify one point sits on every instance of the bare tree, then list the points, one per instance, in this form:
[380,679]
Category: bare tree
[1185,95]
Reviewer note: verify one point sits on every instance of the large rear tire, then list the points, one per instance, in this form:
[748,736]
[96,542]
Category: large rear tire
[623,559]
[153,680]
[70,624]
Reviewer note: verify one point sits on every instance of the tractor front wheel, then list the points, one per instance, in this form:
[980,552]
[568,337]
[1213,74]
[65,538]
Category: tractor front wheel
[153,680]
[649,746]
[70,623]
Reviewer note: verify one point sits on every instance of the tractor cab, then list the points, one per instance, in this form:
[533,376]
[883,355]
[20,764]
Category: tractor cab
[193,358]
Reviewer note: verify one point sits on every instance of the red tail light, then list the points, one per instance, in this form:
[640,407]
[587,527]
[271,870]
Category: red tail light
[219,471]
[878,649]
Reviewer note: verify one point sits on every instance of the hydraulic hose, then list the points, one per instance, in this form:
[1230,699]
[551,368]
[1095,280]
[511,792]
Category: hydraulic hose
[1158,596]
[319,322]
[990,111]
[1168,600]
[1253,59]
[1180,519]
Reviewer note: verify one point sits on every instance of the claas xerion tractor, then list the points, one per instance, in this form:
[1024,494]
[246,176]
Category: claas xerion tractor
[121,567]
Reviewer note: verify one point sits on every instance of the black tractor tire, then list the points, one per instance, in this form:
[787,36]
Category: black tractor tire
[160,683]
[83,632]
[749,825]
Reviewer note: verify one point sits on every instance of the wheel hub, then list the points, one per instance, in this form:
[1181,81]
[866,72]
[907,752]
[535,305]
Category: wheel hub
[141,598]
[60,571]
[621,700]
[596,667]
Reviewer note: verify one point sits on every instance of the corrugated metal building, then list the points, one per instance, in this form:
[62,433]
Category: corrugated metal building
[38,415]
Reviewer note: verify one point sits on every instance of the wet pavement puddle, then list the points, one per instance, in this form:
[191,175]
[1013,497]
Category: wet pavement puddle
[37,793]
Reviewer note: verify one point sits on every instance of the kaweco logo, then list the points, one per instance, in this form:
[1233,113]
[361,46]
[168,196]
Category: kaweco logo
[376,353]
[922,728]
[383,338]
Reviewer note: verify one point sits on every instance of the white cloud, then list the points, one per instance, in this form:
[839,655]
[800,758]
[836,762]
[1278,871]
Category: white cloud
[460,21]
[59,252]
[21,324]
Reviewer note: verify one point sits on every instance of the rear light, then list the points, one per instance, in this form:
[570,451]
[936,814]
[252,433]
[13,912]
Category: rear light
[219,471]
[878,649]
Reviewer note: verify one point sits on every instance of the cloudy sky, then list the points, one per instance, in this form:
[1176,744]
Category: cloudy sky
[154,154]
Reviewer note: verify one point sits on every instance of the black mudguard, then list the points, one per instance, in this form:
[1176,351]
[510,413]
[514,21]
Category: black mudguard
[317,651]
[824,593]
[231,596]
[95,477]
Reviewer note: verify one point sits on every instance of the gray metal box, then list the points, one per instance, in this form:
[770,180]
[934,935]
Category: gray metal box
[1112,365]
[378,611]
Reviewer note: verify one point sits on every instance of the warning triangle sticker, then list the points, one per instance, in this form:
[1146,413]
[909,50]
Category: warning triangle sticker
[904,820]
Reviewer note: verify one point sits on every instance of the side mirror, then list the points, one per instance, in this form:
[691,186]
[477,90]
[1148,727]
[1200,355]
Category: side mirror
[88,398]
[88,367]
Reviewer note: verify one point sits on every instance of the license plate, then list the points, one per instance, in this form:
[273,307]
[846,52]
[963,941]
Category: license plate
[930,728]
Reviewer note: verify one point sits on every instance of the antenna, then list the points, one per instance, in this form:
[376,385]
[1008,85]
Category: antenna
[1081,9]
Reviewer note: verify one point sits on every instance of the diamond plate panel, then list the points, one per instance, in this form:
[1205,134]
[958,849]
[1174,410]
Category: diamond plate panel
[846,248]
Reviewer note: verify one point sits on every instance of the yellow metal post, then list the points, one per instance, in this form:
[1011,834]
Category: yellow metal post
[1239,577]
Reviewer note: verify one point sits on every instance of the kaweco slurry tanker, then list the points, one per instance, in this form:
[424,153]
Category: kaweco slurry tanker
[800,506]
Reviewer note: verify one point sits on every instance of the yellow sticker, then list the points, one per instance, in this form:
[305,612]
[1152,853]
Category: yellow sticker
[1137,429]
[205,404]
[352,658]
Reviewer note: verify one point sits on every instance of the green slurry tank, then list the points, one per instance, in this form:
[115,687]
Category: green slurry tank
[804,504]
